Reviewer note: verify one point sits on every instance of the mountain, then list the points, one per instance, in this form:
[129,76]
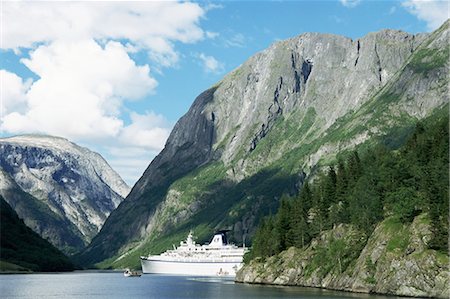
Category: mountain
[22,249]
[62,191]
[266,127]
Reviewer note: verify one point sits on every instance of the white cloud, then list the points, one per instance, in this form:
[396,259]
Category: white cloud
[130,169]
[147,130]
[212,35]
[210,64]
[434,13]
[238,40]
[350,3]
[80,90]
[13,92]
[129,161]
[153,26]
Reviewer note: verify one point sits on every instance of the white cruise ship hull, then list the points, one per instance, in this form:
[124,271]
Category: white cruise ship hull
[190,268]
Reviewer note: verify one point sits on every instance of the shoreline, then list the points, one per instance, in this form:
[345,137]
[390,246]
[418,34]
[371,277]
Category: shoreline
[352,293]
[62,272]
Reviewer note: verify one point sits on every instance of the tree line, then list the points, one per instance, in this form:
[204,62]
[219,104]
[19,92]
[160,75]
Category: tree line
[365,188]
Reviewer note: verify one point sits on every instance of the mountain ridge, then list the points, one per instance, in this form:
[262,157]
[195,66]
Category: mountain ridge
[276,118]
[63,191]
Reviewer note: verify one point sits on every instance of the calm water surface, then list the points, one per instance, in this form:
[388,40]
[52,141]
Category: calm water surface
[114,285]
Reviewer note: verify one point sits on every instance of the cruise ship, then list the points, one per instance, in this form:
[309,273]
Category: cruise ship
[218,258]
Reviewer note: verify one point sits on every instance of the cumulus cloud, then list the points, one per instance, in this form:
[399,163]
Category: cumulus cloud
[147,130]
[210,64]
[153,26]
[13,92]
[350,3]
[140,141]
[434,13]
[80,90]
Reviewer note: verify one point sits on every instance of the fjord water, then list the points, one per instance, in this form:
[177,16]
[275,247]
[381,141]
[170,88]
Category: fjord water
[114,285]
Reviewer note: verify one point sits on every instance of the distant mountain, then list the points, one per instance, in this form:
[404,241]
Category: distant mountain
[21,249]
[269,125]
[62,191]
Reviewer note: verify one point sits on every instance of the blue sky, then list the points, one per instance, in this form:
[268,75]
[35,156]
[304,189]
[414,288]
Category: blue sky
[116,76]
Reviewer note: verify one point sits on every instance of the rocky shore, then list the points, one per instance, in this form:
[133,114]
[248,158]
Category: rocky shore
[393,260]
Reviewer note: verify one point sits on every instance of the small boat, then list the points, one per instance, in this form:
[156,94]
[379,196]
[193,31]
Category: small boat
[129,273]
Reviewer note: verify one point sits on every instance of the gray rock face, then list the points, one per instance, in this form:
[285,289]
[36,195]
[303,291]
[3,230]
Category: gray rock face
[188,146]
[329,73]
[309,96]
[75,187]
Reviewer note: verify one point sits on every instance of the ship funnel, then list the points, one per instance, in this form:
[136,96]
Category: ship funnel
[219,239]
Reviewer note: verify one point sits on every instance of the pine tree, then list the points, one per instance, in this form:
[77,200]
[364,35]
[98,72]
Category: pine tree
[341,215]
[330,186]
[365,205]
[354,168]
[319,210]
[299,232]
[283,224]
[265,241]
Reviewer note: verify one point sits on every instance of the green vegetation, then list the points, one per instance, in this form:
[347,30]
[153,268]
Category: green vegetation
[362,191]
[24,250]
[426,60]
[371,268]
[12,268]
[287,134]
[192,184]
[337,254]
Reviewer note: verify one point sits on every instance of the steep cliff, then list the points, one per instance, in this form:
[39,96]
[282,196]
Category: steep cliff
[257,133]
[395,260]
[62,191]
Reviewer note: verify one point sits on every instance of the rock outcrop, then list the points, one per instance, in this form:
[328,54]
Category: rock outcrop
[64,192]
[394,260]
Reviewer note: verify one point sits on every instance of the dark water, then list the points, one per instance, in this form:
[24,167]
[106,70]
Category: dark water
[115,285]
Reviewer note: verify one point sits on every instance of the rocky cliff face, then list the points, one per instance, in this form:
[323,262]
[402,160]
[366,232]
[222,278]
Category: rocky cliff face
[62,191]
[395,260]
[267,124]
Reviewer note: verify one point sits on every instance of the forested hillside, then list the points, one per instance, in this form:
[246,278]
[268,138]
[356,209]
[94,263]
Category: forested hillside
[24,250]
[366,188]
[375,222]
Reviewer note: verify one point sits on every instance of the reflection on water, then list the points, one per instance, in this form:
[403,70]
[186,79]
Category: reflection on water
[97,285]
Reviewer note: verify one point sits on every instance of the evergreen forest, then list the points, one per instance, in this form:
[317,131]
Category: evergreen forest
[363,188]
